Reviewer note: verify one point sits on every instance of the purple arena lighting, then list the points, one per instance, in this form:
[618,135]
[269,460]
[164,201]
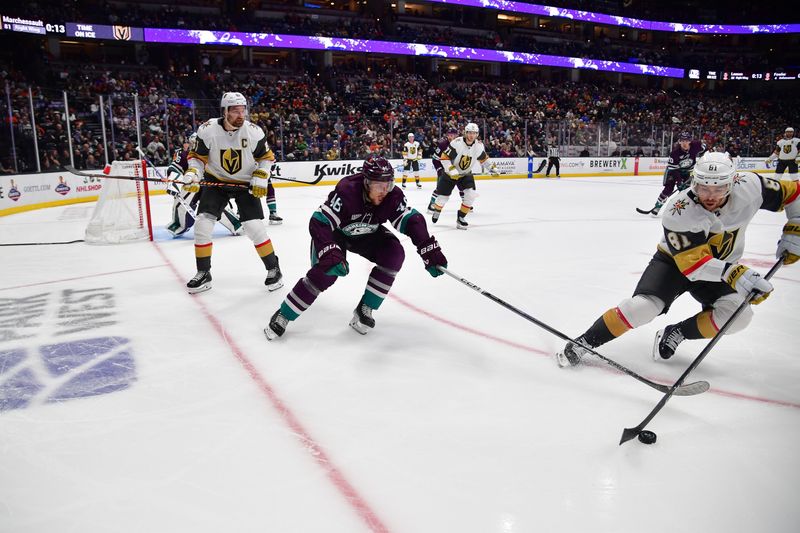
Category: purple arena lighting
[273,40]
[600,18]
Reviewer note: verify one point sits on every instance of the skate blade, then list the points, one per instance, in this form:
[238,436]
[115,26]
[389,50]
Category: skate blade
[271,335]
[358,326]
[459,226]
[275,286]
[275,222]
[196,290]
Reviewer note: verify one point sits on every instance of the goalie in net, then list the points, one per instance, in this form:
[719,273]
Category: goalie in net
[122,213]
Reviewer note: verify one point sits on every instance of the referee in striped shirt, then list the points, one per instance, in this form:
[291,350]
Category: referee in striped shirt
[553,159]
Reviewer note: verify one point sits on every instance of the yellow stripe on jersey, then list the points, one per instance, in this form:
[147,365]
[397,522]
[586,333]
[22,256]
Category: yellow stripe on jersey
[790,190]
[202,250]
[706,325]
[265,248]
[615,322]
[692,259]
[195,155]
[269,156]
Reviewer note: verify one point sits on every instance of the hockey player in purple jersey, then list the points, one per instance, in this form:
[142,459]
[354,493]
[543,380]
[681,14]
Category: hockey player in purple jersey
[679,169]
[351,219]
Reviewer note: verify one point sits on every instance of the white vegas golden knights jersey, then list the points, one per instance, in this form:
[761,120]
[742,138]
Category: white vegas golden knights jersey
[787,148]
[463,156]
[411,151]
[230,155]
[701,242]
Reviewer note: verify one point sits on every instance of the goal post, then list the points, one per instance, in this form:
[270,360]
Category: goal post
[122,212]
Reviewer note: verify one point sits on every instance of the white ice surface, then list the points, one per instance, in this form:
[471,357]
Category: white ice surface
[450,416]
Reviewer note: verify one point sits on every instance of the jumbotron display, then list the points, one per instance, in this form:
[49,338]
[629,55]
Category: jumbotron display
[274,40]
[612,20]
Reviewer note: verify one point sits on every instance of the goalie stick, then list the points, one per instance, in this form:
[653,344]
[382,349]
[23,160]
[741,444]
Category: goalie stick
[629,433]
[176,194]
[689,389]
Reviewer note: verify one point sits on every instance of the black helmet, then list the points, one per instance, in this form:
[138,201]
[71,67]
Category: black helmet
[685,136]
[377,168]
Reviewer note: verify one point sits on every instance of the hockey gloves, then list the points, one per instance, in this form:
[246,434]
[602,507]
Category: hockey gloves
[332,261]
[790,242]
[744,281]
[453,172]
[432,256]
[259,183]
[192,179]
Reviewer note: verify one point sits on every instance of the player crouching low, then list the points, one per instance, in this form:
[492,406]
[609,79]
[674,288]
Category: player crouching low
[351,219]
[699,253]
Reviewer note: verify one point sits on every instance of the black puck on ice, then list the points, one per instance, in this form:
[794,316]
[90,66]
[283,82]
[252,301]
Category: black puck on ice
[647,437]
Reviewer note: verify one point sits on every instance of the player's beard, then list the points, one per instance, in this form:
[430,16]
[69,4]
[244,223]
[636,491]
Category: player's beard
[236,123]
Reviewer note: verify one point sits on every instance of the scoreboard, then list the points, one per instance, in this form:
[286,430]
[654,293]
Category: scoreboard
[742,75]
[72,29]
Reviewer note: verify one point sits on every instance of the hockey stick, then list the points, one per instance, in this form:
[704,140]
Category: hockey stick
[644,211]
[177,194]
[629,433]
[202,183]
[690,389]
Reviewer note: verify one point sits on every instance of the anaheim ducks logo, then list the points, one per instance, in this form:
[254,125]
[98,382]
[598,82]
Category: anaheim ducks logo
[231,160]
[678,207]
[722,244]
[122,33]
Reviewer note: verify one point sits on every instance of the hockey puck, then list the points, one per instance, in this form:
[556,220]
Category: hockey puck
[647,437]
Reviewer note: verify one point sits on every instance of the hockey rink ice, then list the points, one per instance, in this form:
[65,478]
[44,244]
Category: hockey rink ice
[128,405]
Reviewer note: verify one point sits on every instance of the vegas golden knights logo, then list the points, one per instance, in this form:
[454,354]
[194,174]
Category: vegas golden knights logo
[122,33]
[722,244]
[465,163]
[231,160]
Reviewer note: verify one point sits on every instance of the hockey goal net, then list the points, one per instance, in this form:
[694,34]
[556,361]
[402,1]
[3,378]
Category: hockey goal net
[122,213]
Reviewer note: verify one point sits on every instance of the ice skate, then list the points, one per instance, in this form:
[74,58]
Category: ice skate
[277,326]
[201,282]
[461,222]
[362,320]
[274,279]
[274,219]
[666,342]
[571,355]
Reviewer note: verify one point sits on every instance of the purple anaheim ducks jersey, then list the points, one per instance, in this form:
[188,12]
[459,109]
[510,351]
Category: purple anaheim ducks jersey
[180,160]
[348,212]
[684,161]
[437,153]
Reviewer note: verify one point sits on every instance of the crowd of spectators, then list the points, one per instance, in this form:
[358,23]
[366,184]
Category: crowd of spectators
[348,114]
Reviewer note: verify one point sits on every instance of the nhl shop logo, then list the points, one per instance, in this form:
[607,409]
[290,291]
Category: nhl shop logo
[13,192]
[62,188]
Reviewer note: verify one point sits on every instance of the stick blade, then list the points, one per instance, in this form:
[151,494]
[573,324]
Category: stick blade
[628,434]
[692,389]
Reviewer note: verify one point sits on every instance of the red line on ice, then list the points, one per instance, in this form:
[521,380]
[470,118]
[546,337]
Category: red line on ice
[598,366]
[353,498]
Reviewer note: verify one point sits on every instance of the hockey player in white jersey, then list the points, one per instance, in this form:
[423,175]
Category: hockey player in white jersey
[457,160]
[786,153]
[703,241]
[184,205]
[411,156]
[231,149]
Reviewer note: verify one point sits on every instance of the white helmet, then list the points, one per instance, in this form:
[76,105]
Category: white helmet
[789,130]
[232,99]
[714,169]
[410,136]
[471,127]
